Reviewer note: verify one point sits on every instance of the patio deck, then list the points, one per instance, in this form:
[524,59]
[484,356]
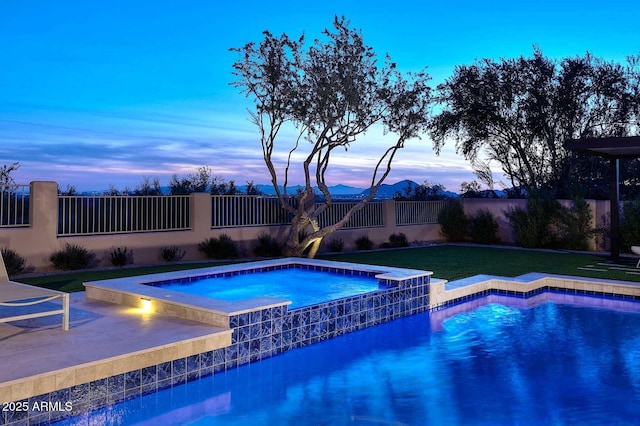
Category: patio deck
[103,340]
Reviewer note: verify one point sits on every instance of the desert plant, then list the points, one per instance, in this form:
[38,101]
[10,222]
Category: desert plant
[453,222]
[267,246]
[364,243]
[336,245]
[171,254]
[120,256]
[13,261]
[72,257]
[483,227]
[222,247]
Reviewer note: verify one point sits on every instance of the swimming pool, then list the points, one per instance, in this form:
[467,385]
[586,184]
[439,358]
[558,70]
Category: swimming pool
[549,359]
[303,287]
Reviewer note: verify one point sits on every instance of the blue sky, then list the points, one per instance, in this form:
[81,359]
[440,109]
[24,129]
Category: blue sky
[99,93]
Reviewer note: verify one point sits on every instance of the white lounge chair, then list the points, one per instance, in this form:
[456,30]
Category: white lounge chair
[13,294]
[636,250]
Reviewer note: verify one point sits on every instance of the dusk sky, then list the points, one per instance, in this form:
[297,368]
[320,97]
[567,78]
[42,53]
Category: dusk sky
[99,93]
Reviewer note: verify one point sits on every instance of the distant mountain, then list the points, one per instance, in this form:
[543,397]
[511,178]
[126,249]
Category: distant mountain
[337,190]
[340,190]
[344,190]
[386,191]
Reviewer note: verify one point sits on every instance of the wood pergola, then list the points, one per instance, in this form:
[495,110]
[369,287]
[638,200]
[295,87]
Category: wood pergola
[613,148]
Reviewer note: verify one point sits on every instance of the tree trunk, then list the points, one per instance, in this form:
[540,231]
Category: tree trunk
[315,245]
[294,247]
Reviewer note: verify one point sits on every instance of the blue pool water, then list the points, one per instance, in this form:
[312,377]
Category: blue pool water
[302,287]
[553,364]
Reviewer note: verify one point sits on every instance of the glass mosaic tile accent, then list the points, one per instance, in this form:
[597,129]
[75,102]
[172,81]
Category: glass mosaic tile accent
[527,294]
[307,325]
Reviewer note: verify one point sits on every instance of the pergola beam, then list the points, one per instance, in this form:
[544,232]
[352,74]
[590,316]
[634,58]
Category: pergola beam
[618,147]
[613,148]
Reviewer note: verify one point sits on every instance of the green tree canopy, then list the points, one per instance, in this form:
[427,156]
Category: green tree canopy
[518,113]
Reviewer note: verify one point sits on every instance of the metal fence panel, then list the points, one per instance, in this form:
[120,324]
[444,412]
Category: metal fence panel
[370,216]
[418,212]
[228,211]
[91,215]
[88,215]
[14,206]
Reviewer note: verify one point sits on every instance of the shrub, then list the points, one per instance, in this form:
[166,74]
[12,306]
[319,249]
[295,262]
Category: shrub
[453,222]
[576,225]
[527,232]
[336,245]
[483,227]
[399,240]
[396,240]
[547,224]
[222,247]
[630,225]
[364,243]
[72,257]
[13,261]
[171,254]
[533,226]
[267,246]
[120,256]
[605,231]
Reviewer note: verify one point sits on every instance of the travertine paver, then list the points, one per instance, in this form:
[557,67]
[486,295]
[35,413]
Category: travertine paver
[98,330]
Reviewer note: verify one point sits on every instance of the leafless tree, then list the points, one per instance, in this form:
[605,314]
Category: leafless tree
[331,92]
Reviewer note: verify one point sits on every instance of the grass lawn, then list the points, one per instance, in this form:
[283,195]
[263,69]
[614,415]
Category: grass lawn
[448,262]
[453,262]
[72,281]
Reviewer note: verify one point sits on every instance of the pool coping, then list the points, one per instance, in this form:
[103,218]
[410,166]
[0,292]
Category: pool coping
[444,294]
[44,360]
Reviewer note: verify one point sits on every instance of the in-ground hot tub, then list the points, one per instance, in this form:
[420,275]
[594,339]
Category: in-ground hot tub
[264,326]
[300,284]
[213,294]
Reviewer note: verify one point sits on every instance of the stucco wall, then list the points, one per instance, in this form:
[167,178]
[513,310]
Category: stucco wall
[38,241]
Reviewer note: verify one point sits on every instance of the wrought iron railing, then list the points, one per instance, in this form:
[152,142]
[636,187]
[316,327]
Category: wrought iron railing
[370,216]
[229,211]
[418,212]
[14,206]
[90,215]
